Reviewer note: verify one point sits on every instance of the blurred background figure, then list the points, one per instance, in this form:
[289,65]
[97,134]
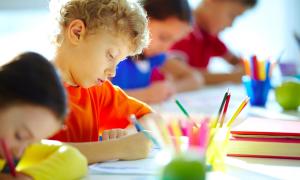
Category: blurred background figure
[265,30]
[155,76]
[198,47]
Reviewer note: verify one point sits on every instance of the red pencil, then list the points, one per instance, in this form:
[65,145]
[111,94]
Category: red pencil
[254,67]
[8,157]
[225,109]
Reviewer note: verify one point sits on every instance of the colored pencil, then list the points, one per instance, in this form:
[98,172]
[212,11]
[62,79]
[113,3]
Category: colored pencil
[247,67]
[140,128]
[262,70]
[225,109]
[9,158]
[237,112]
[268,66]
[254,67]
[183,110]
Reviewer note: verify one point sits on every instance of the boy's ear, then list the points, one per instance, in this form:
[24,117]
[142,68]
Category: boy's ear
[76,31]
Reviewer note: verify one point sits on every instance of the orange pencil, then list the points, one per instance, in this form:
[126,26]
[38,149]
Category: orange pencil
[247,67]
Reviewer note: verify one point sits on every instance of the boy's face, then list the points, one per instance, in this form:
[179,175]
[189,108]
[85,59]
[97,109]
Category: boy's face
[222,14]
[164,34]
[97,56]
[21,125]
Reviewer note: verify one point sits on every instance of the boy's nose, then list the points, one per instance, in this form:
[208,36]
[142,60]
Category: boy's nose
[111,73]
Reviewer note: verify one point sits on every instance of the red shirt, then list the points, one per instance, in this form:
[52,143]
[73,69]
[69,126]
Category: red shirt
[95,109]
[199,46]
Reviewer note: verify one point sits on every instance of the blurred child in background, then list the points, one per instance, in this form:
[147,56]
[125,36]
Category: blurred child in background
[32,107]
[169,21]
[203,43]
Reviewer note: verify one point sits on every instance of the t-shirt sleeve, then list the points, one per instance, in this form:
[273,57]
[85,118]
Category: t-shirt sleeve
[116,106]
[157,60]
[52,160]
[220,48]
[185,47]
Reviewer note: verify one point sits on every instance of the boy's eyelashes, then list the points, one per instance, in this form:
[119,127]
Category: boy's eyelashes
[22,135]
[110,56]
[18,136]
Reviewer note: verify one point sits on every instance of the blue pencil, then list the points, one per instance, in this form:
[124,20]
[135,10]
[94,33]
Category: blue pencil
[268,64]
[140,128]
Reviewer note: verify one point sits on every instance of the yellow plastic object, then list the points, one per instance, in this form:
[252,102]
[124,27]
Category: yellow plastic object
[217,147]
[52,160]
[2,163]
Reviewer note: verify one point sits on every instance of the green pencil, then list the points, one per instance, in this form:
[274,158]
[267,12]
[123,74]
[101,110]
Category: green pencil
[182,109]
[185,112]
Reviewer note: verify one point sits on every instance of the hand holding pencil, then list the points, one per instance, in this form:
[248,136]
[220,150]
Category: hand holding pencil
[140,128]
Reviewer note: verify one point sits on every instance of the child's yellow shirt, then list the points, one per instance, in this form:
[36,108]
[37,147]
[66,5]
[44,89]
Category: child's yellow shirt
[51,160]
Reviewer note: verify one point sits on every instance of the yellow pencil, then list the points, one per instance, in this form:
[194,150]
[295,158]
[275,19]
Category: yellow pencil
[177,134]
[237,112]
[164,132]
[262,70]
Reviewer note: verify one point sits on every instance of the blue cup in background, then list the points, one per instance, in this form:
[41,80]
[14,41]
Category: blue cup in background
[257,90]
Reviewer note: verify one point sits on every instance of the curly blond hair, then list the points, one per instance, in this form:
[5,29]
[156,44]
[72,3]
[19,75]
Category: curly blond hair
[124,17]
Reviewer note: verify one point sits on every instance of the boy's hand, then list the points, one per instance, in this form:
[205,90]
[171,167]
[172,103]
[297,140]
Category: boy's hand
[237,74]
[113,134]
[160,91]
[135,146]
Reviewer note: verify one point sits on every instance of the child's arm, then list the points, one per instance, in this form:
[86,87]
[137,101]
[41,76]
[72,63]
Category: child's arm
[185,77]
[232,59]
[132,147]
[216,78]
[235,76]
[157,92]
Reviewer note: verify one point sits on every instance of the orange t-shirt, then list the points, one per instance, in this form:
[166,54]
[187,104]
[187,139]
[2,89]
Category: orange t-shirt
[95,109]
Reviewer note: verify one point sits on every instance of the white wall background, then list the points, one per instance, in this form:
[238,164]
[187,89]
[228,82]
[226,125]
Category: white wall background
[265,30]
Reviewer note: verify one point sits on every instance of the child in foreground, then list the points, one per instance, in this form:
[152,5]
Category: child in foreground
[33,107]
[94,36]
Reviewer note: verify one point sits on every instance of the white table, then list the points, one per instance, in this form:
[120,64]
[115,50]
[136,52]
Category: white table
[207,101]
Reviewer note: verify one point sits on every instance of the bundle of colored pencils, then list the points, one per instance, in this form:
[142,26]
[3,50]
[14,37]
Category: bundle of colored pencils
[258,69]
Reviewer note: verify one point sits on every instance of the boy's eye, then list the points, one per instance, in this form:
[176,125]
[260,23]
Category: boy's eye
[110,56]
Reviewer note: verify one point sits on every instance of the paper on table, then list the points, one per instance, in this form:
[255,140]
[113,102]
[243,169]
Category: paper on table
[141,167]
